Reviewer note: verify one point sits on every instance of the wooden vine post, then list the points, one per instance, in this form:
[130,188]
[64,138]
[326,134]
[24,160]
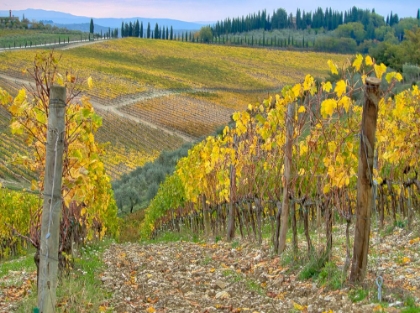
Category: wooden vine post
[51,212]
[287,182]
[365,180]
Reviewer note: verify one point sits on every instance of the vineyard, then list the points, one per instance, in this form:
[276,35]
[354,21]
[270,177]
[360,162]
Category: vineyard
[295,158]
[190,116]
[128,66]
[186,88]
[129,144]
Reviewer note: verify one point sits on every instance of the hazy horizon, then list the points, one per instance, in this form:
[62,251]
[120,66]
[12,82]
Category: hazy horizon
[200,10]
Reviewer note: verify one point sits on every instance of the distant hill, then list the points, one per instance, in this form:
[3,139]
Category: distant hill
[74,22]
[84,27]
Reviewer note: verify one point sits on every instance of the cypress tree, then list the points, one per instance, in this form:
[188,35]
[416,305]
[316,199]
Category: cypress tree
[122,30]
[91,28]
[156,32]
[148,30]
[141,30]
[172,34]
[130,29]
[137,29]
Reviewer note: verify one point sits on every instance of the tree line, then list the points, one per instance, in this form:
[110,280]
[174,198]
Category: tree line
[137,29]
[280,19]
[135,189]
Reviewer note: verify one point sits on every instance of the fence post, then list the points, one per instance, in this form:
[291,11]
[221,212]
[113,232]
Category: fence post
[365,180]
[51,212]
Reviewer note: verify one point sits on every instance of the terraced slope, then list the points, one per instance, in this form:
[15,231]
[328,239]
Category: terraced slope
[154,95]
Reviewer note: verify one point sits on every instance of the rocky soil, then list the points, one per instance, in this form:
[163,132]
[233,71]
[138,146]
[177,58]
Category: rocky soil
[242,277]
[239,277]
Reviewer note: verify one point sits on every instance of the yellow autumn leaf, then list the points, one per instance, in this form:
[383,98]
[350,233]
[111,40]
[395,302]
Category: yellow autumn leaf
[303,148]
[90,82]
[333,67]
[347,181]
[393,75]
[357,63]
[102,308]
[150,309]
[301,172]
[299,307]
[60,79]
[327,107]
[16,128]
[326,188]
[308,83]
[380,70]
[302,109]
[368,60]
[69,78]
[327,86]
[345,102]
[406,260]
[340,88]
[329,311]
[415,240]
[332,146]
[34,185]
[296,90]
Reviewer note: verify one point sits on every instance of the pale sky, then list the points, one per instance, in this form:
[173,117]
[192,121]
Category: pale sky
[202,10]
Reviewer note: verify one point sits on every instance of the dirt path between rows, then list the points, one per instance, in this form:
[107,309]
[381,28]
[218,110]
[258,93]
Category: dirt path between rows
[241,277]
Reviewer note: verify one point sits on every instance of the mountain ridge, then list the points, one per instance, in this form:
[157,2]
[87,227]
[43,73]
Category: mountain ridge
[62,19]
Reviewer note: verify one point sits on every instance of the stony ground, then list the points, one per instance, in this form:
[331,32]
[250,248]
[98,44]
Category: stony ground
[239,277]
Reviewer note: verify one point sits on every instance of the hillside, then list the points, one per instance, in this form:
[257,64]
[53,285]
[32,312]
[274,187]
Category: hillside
[154,95]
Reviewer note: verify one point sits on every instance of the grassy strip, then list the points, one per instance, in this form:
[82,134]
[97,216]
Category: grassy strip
[80,291]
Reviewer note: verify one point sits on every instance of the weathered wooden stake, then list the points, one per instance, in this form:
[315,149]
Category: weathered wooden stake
[365,180]
[51,212]
[288,155]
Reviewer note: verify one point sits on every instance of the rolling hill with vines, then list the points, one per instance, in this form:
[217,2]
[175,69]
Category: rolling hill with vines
[156,95]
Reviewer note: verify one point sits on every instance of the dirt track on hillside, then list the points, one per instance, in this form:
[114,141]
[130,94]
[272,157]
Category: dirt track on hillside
[116,104]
